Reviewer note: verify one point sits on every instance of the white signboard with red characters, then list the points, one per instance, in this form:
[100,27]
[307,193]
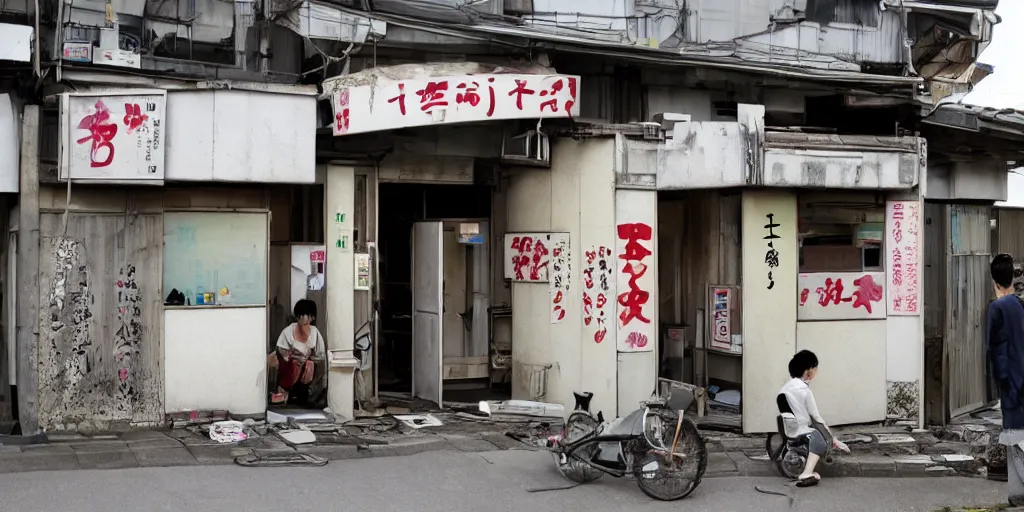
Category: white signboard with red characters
[902,257]
[389,105]
[841,296]
[113,137]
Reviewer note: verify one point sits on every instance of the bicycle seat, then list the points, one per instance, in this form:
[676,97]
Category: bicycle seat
[582,400]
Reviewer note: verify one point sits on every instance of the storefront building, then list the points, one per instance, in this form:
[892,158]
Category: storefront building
[592,276]
[154,264]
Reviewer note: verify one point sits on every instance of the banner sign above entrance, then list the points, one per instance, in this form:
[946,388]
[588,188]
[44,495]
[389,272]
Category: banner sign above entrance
[456,99]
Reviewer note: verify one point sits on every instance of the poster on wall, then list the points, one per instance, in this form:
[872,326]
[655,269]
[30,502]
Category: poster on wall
[636,214]
[561,269]
[362,260]
[308,271]
[113,137]
[598,293]
[902,250]
[724,319]
[841,296]
[528,257]
[721,338]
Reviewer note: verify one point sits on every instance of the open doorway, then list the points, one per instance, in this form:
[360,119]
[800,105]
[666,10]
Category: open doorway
[297,302]
[699,282]
[435,292]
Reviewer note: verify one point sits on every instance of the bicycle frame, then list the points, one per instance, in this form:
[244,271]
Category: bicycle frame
[623,466]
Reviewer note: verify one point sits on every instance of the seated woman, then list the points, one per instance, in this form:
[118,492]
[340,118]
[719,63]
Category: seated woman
[298,347]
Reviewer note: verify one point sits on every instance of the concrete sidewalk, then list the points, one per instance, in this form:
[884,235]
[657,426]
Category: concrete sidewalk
[729,455]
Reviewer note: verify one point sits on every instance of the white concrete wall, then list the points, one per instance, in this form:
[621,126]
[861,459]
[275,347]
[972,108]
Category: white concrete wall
[576,196]
[10,144]
[850,386]
[339,190]
[215,359]
[769,315]
[240,136]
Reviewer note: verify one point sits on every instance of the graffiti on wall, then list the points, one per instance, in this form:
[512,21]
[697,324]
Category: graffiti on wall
[99,366]
[635,250]
[597,291]
[841,295]
[528,257]
[127,336]
[902,400]
[69,309]
[561,269]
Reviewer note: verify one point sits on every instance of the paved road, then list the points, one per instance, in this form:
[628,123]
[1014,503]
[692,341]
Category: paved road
[450,482]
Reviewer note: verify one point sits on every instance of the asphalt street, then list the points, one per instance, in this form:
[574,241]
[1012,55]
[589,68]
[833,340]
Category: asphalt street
[446,481]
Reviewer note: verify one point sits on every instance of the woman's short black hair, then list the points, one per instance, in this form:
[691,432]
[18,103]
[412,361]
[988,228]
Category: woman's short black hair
[305,307]
[801,362]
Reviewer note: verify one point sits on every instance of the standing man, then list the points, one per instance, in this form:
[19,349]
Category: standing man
[1005,346]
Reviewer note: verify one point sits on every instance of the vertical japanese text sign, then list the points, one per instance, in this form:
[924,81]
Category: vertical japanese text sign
[902,249]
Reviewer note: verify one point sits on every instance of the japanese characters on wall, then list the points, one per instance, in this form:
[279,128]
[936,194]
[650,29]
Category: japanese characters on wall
[902,246]
[528,257]
[636,280]
[598,292]
[559,282]
[113,136]
[771,254]
[841,296]
[389,105]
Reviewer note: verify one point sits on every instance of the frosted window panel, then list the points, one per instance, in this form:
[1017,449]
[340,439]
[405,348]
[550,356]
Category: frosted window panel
[207,251]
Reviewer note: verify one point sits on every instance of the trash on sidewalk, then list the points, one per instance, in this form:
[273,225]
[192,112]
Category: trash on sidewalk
[299,459]
[418,421]
[522,408]
[296,437]
[228,431]
[282,415]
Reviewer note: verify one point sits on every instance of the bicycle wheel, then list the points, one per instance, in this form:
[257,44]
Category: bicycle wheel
[579,425]
[670,477]
[791,462]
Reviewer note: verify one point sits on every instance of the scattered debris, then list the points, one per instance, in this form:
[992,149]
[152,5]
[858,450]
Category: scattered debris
[298,459]
[893,439]
[419,421]
[520,408]
[228,432]
[283,415]
[296,437]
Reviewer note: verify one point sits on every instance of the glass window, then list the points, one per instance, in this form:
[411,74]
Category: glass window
[215,258]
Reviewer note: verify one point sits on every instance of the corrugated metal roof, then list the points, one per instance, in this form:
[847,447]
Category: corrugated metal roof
[726,56]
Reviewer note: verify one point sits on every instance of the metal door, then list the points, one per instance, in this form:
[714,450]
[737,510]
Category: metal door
[968,292]
[427,300]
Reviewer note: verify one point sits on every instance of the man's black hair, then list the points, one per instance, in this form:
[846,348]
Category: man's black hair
[1002,270]
[801,362]
[305,307]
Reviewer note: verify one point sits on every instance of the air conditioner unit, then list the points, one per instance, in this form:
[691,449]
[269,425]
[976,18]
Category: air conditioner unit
[652,131]
[531,148]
